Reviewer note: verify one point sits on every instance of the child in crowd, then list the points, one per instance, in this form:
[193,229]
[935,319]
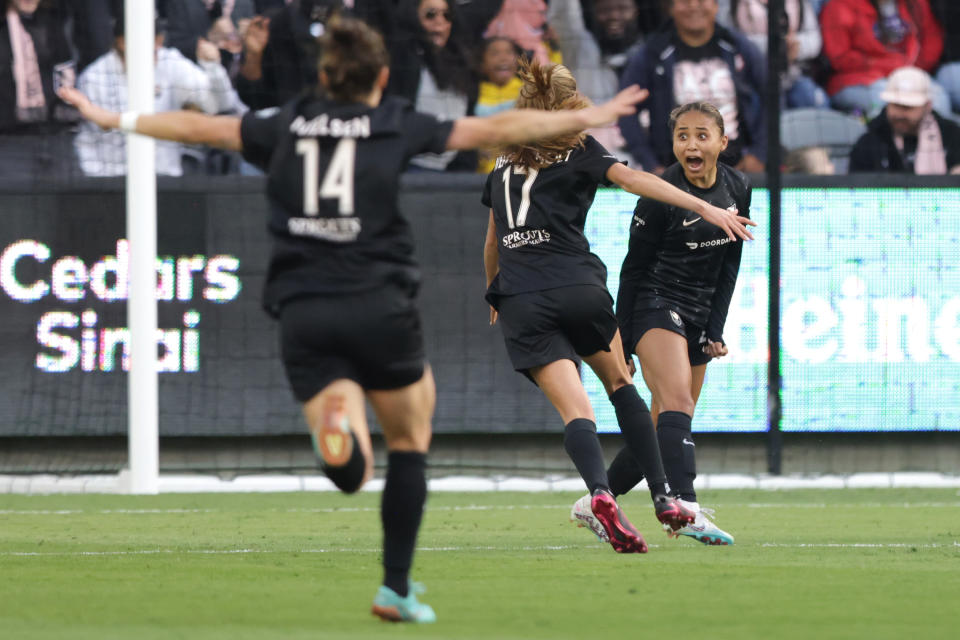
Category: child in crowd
[499,85]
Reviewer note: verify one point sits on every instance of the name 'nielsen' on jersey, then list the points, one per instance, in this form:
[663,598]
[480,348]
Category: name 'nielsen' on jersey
[333,179]
[677,260]
[539,217]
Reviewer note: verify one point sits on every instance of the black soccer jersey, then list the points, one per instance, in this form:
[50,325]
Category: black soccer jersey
[539,217]
[333,181]
[677,260]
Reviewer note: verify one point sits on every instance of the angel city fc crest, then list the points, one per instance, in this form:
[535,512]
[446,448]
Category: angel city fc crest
[676,318]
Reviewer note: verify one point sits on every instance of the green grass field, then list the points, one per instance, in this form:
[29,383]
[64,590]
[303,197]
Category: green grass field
[807,564]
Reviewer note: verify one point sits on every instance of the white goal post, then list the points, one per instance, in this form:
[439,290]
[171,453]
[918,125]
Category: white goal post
[142,382]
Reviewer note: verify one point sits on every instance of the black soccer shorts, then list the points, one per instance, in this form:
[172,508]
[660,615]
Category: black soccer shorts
[566,323]
[642,320]
[374,338]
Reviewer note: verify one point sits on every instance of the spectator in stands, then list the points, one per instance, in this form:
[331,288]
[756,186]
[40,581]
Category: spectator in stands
[596,57]
[803,44]
[35,59]
[92,32]
[280,46]
[697,60]
[431,68]
[908,136]
[947,13]
[191,23]
[499,87]
[180,84]
[810,161]
[523,22]
[866,40]
[596,54]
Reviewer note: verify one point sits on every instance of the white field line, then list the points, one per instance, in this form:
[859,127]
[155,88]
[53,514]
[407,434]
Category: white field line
[477,507]
[457,549]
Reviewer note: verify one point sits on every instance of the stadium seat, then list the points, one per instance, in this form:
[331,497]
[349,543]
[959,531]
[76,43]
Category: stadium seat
[835,131]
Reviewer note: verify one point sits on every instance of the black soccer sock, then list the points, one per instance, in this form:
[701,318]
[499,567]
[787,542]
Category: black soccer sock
[349,477]
[636,425]
[678,452]
[401,509]
[583,447]
[624,472]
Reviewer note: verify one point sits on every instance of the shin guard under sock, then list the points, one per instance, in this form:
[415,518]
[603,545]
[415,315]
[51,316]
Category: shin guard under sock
[401,509]
[583,447]
[678,452]
[636,425]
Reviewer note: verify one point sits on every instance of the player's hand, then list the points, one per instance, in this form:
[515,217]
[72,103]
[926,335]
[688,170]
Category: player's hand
[715,349]
[493,316]
[735,226]
[631,367]
[623,104]
[97,115]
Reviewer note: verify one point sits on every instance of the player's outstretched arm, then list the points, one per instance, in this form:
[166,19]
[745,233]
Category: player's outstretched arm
[188,127]
[517,126]
[648,185]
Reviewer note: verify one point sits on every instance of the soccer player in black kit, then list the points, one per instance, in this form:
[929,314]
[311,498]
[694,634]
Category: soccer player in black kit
[675,287]
[342,278]
[550,294]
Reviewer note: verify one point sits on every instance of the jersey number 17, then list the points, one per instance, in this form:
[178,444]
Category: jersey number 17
[337,181]
[524,194]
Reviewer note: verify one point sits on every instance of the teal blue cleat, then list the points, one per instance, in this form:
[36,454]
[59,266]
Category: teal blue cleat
[388,605]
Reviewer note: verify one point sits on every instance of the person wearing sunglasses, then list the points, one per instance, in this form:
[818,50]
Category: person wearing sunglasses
[431,68]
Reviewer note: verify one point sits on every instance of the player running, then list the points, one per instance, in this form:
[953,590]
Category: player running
[675,288]
[342,278]
[550,293]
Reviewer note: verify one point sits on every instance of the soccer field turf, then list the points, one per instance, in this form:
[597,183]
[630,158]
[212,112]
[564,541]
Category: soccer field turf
[807,564]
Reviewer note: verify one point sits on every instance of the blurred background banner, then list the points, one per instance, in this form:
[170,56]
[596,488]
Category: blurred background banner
[870,329]
[870,314]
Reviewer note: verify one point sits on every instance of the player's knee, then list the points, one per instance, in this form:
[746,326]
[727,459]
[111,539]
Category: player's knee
[682,402]
[617,382]
[412,439]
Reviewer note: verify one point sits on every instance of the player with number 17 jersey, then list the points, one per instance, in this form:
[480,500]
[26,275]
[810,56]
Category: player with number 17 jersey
[540,215]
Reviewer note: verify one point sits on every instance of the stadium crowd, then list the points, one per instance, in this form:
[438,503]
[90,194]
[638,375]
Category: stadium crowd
[454,58]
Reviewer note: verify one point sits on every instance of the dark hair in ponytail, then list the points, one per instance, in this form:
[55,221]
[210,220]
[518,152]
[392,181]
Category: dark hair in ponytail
[351,55]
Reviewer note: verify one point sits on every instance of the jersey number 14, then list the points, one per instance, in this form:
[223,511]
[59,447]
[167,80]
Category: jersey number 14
[337,181]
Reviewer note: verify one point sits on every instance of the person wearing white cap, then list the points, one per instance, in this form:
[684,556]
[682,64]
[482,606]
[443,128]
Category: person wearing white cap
[908,135]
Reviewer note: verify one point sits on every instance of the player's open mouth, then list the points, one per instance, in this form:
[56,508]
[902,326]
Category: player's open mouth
[693,163]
